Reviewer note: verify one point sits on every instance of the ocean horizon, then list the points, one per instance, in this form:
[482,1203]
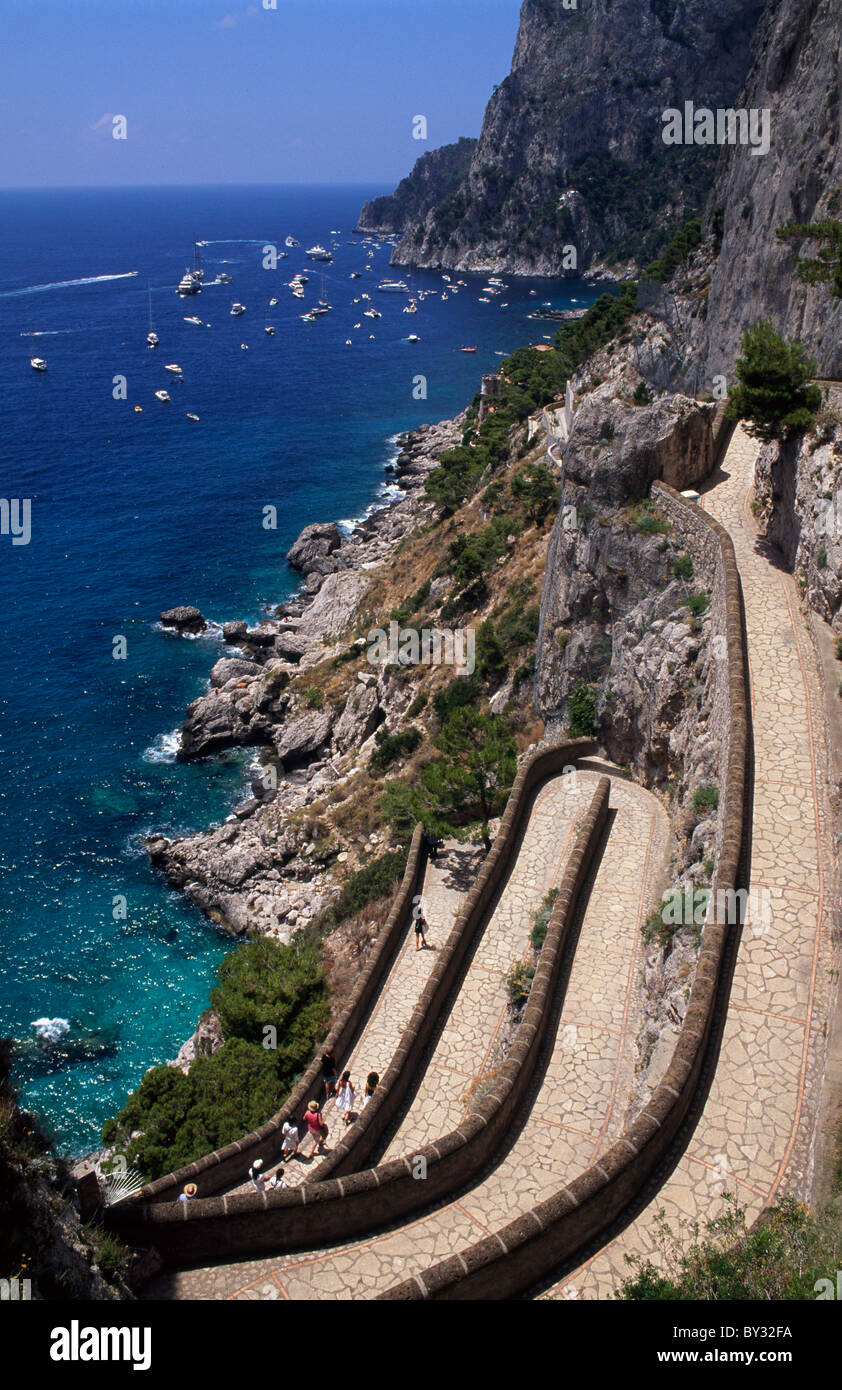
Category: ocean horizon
[104,970]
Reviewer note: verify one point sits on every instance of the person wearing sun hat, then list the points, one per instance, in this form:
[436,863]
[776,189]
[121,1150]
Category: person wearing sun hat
[189,1193]
[315,1124]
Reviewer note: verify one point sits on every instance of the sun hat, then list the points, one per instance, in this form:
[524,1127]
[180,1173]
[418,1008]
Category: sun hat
[258,1163]
[191,1189]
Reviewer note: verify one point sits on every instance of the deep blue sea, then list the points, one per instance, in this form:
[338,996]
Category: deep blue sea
[132,512]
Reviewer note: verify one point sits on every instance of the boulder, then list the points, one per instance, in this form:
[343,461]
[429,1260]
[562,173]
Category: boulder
[313,547]
[184,619]
[358,720]
[234,632]
[301,737]
[233,668]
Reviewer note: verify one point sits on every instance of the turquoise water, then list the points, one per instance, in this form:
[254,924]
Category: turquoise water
[133,512]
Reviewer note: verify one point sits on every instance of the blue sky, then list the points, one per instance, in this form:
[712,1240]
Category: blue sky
[219,92]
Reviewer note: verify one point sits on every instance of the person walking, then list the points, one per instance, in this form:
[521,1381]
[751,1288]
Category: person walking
[316,1125]
[289,1130]
[371,1083]
[420,928]
[189,1193]
[345,1096]
[258,1177]
[329,1074]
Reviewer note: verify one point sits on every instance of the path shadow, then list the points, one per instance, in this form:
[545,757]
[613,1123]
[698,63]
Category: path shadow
[459,866]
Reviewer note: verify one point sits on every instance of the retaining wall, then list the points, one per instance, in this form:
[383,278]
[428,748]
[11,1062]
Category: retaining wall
[340,1206]
[512,1260]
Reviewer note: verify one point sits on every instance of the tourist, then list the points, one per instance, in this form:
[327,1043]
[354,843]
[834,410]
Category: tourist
[432,845]
[316,1125]
[258,1177]
[189,1193]
[371,1083]
[420,928]
[289,1130]
[345,1096]
[329,1074]
[277,1180]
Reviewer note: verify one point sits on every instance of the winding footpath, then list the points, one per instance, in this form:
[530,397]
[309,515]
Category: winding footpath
[576,1106]
[754,1136]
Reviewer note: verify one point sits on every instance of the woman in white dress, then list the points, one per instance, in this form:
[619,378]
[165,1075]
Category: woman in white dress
[345,1096]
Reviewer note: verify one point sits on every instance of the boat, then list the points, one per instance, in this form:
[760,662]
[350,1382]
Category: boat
[498,284]
[224,279]
[413,338]
[373,314]
[38,364]
[309,317]
[237,309]
[444,296]
[193,318]
[393,287]
[272,303]
[290,241]
[188,284]
[410,308]
[299,292]
[270,330]
[139,409]
[318,253]
[191,415]
[174,368]
[355,275]
[467,349]
[483,299]
[348,342]
[162,395]
[244,346]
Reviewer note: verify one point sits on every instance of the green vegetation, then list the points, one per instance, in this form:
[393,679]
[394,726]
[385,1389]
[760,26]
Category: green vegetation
[518,980]
[825,268]
[315,697]
[706,798]
[368,884]
[698,602]
[538,934]
[684,242]
[646,520]
[682,567]
[273,1008]
[392,747]
[468,786]
[783,1257]
[821,556]
[418,704]
[581,710]
[641,394]
[772,395]
[634,196]
[529,379]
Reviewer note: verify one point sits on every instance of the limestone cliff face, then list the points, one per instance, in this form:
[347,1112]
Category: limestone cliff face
[571,149]
[434,177]
[797,76]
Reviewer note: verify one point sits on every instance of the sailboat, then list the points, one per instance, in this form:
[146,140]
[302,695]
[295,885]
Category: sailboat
[152,336]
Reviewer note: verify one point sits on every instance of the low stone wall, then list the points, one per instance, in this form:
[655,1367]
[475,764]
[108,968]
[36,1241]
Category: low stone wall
[230,1164]
[506,1264]
[338,1207]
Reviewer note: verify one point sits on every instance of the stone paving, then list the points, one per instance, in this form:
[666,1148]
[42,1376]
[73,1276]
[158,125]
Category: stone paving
[754,1136]
[446,883]
[580,1101]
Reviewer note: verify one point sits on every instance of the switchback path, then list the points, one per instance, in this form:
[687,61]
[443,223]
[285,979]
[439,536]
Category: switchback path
[754,1135]
[584,1082]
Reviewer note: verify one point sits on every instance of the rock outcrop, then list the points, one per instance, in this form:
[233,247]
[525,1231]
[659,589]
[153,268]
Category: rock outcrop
[436,175]
[184,619]
[571,151]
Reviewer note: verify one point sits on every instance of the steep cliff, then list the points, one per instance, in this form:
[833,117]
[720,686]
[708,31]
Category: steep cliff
[434,177]
[796,76]
[571,150]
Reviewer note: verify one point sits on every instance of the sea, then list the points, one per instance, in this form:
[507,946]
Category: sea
[104,969]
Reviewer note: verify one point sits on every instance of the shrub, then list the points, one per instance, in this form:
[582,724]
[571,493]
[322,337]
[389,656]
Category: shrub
[682,567]
[374,881]
[462,690]
[581,710]
[418,704]
[391,747]
[518,980]
[315,697]
[641,394]
[266,983]
[542,920]
[821,556]
[698,602]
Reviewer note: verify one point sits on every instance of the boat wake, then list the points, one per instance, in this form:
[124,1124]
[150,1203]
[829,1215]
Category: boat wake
[66,284]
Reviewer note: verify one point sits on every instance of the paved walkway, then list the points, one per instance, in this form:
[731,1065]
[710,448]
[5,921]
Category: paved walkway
[446,883]
[578,1105]
[754,1136]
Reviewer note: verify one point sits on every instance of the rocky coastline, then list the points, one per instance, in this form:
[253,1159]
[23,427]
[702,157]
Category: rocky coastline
[264,869]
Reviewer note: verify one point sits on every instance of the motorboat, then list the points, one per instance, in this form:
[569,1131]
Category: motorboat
[162,395]
[173,368]
[410,308]
[191,415]
[237,309]
[38,364]
[152,336]
[290,241]
[272,303]
[468,349]
[373,314]
[318,253]
[193,318]
[224,279]
[393,287]
[244,346]
[413,338]
[308,317]
[355,275]
[139,409]
[270,330]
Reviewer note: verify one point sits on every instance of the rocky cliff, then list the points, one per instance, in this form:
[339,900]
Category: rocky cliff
[434,177]
[796,76]
[571,150]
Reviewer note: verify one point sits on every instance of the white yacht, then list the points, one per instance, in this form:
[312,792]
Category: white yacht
[162,395]
[38,364]
[290,241]
[237,309]
[393,287]
[272,303]
[413,338]
[173,368]
[224,279]
[152,336]
[373,314]
[318,253]
[193,318]
[411,307]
